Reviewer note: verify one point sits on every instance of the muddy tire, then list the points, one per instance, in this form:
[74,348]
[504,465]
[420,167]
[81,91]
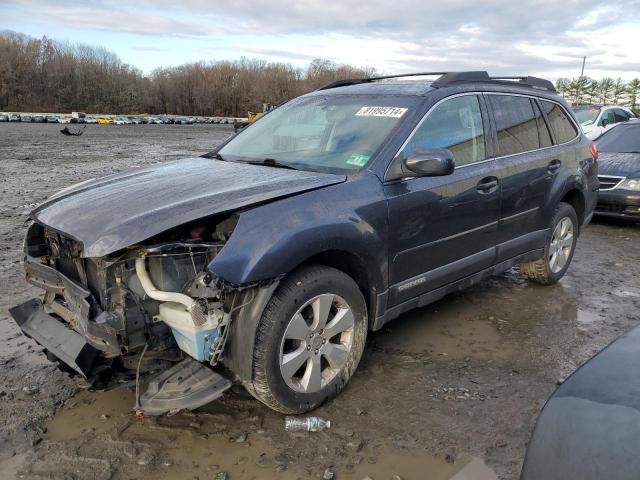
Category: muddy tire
[559,247]
[309,340]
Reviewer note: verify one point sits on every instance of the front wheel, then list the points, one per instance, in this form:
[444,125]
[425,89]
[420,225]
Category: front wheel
[309,340]
[559,248]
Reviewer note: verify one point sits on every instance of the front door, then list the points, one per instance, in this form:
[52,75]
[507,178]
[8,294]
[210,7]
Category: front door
[444,228]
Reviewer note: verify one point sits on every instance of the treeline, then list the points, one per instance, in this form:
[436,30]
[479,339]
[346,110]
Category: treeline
[43,75]
[609,91]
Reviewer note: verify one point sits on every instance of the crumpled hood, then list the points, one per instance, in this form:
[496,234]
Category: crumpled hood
[619,164]
[117,211]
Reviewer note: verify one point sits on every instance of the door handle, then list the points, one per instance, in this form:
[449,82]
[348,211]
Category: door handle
[554,166]
[487,185]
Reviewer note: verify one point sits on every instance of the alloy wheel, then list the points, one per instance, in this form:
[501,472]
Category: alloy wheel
[316,343]
[561,245]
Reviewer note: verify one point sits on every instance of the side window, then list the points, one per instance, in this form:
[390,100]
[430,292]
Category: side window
[515,124]
[608,116]
[620,115]
[455,124]
[562,127]
[543,130]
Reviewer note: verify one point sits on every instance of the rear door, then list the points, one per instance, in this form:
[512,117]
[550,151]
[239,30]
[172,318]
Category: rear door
[527,165]
[444,228]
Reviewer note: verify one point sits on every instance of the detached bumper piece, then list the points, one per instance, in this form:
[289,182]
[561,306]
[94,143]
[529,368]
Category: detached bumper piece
[68,346]
[185,386]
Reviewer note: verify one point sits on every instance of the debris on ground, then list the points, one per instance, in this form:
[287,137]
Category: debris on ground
[309,424]
[329,474]
[72,133]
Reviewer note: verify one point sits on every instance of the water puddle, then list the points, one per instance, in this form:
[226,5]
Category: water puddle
[99,431]
[450,328]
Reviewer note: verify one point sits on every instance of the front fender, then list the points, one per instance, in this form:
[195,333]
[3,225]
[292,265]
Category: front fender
[273,239]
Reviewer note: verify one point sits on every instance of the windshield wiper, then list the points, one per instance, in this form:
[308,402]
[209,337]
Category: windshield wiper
[217,156]
[270,162]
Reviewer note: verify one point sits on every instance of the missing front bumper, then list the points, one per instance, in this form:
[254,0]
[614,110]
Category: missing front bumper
[77,308]
[68,346]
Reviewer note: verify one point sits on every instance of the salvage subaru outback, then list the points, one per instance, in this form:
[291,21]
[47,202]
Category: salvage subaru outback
[267,261]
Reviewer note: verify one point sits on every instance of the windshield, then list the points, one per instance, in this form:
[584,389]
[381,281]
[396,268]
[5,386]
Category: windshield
[335,133]
[621,139]
[586,114]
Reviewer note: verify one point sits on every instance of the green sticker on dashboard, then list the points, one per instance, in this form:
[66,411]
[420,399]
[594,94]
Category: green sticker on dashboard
[358,159]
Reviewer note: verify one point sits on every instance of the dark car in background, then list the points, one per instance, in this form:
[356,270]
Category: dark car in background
[619,171]
[275,254]
[589,428]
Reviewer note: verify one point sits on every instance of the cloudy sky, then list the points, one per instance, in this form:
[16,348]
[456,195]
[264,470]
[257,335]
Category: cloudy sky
[539,37]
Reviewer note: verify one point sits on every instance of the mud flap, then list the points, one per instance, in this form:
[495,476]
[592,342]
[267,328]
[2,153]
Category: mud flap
[185,386]
[65,344]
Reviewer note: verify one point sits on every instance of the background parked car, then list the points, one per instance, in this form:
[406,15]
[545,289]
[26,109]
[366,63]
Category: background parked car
[90,120]
[619,171]
[4,117]
[26,118]
[14,117]
[596,119]
[52,119]
[105,121]
[588,427]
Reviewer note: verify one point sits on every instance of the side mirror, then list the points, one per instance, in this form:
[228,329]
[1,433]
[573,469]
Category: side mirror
[429,162]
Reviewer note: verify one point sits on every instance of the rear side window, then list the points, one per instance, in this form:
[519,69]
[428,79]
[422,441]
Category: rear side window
[562,127]
[515,124]
[455,124]
[620,115]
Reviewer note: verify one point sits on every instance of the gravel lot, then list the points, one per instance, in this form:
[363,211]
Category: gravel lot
[447,387]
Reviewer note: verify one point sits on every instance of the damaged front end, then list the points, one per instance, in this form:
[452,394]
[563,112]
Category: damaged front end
[153,309]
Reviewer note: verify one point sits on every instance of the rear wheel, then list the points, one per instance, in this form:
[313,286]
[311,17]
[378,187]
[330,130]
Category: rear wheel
[309,340]
[559,248]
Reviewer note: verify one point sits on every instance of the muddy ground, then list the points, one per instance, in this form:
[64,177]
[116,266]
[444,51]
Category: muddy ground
[439,394]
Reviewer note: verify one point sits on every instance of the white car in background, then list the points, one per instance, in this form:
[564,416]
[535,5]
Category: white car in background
[121,121]
[596,119]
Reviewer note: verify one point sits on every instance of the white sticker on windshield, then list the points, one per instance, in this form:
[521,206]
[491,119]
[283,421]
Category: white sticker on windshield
[393,112]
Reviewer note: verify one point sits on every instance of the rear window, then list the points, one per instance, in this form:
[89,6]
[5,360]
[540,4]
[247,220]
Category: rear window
[515,124]
[562,126]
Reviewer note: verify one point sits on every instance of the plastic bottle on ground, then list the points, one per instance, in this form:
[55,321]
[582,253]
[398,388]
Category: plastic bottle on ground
[309,424]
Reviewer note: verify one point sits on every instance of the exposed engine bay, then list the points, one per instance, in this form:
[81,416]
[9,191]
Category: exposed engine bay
[142,309]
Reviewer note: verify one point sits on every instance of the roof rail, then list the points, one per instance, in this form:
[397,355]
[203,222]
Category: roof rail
[356,81]
[448,78]
[533,82]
